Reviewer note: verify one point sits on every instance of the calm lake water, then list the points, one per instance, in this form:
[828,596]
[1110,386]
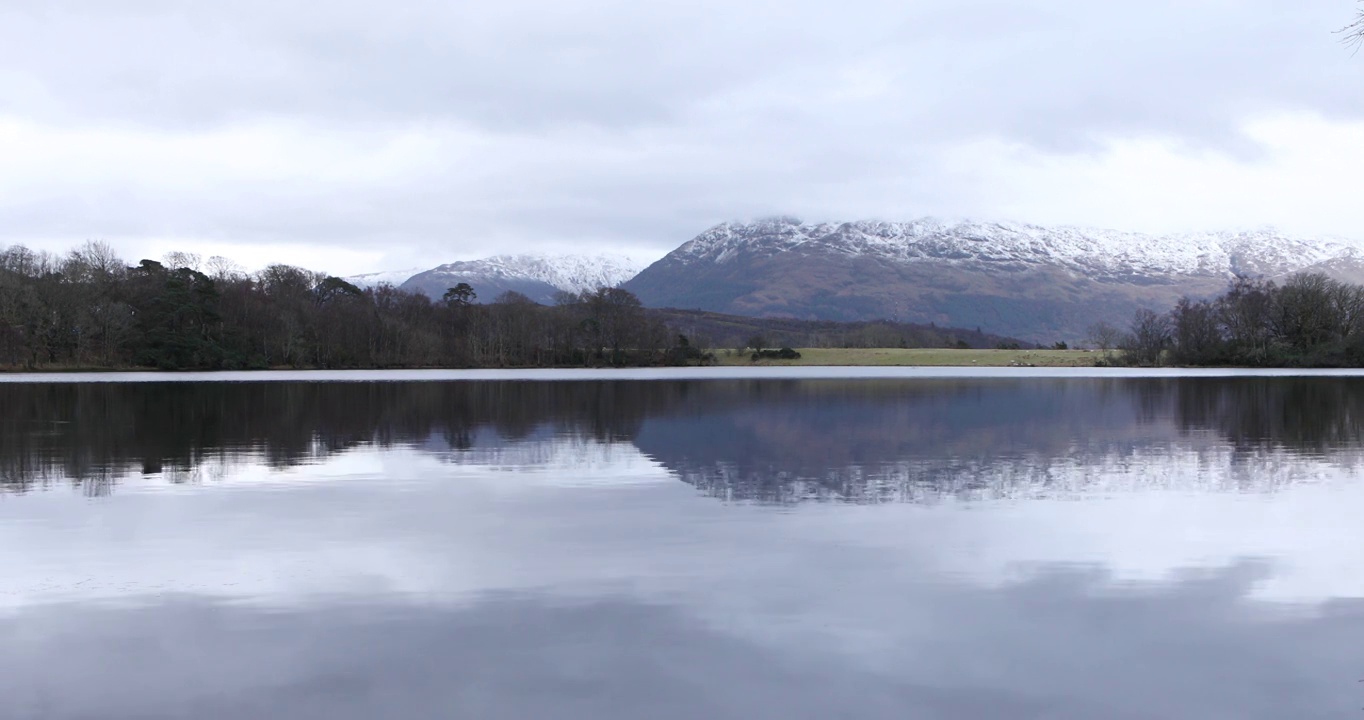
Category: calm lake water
[895,545]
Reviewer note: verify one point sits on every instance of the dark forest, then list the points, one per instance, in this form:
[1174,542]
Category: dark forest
[89,309]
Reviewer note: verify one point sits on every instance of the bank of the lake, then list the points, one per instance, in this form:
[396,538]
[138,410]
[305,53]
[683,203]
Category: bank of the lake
[809,357]
[926,357]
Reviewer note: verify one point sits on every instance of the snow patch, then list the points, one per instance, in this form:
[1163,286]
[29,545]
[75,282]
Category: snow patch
[570,273]
[1091,252]
[374,279]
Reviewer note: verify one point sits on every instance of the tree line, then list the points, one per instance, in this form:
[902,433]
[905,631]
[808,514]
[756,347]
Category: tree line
[1311,320]
[89,309]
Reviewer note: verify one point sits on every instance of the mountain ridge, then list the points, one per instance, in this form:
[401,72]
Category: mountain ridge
[1036,282]
[539,277]
[1014,279]
[1083,247]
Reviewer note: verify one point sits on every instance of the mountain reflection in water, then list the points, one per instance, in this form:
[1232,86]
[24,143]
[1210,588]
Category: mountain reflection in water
[963,549]
[762,440]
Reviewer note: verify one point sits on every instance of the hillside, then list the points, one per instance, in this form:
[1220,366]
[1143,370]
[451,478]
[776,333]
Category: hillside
[1041,284]
[718,330]
[539,277]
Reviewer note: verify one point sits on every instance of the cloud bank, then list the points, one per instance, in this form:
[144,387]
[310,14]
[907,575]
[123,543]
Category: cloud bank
[353,136]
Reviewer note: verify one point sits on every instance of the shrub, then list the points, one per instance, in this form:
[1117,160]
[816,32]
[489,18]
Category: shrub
[785,353]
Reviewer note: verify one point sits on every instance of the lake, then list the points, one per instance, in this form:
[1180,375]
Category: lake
[786,543]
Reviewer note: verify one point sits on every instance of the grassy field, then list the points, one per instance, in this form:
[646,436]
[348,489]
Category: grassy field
[926,357]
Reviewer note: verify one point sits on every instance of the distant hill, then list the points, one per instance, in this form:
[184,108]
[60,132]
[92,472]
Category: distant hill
[391,277]
[1037,283]
[539,277]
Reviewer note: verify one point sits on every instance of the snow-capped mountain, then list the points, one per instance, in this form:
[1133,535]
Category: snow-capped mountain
[536,276]
[391,277]
[1089,252]
[1016,279]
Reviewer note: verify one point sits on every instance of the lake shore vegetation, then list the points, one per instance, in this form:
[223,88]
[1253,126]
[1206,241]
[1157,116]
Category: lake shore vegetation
[89,310]
[1309,321]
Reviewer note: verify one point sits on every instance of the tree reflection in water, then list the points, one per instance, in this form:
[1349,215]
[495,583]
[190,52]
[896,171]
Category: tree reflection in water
[760,440]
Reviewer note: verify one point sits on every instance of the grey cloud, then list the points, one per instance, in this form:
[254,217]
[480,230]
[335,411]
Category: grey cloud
[516,64]
[639,124]
[1045,72]
[1059,73]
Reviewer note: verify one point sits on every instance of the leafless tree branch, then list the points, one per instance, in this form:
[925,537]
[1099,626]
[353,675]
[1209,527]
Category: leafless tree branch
[1353,34]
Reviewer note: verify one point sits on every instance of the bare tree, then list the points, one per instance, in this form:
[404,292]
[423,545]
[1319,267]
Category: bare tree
[1196,332]
[221,268]
[1348,306]
[1244,311]
[1149,338]
[1103,336]
[1305,312]
[97,258]
[1353,34]
[175,260]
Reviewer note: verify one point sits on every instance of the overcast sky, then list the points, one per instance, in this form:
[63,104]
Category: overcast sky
[355,135]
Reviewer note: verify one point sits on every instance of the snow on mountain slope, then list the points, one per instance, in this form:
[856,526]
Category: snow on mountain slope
[1092,252]
[571,273]
[1011,279]
[392,277]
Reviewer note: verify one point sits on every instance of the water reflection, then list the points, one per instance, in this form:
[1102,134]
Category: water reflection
[1062,645]
[997,548]
[93,434]
[768,441]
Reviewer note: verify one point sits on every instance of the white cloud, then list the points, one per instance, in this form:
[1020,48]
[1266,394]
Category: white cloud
[1302,181]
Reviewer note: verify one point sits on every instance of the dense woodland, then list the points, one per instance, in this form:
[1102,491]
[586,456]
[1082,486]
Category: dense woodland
[1311,320]
[90,309]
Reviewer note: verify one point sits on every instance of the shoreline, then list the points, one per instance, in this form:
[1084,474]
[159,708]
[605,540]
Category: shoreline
[810,357]
[807,372]
[814,362]
[921,357]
